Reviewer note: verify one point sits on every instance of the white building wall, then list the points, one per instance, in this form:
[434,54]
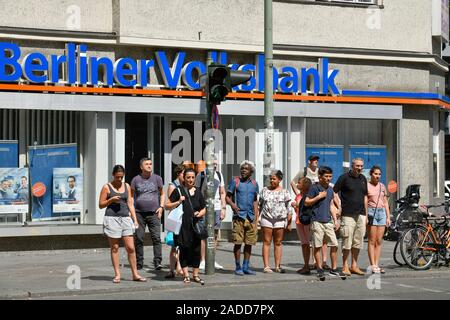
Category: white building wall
[73,15]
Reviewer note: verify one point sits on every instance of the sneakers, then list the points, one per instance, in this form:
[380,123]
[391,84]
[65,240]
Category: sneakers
[202,266]
[249,272]
[321,275]
[239,272]
[337,273]
[326,267]
[158,266]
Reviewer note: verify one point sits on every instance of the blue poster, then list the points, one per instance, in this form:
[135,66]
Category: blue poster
[67,191]
[42,160]
[330,156]
[9,154]
[14,191]
[372,155]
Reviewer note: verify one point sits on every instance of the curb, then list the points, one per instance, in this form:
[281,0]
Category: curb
[179,285]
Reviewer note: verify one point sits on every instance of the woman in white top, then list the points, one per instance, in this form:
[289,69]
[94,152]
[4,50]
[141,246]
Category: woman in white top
[174,266]
[275,218]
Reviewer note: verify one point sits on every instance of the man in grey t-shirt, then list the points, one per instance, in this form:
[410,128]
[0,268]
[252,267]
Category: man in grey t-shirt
[147,189]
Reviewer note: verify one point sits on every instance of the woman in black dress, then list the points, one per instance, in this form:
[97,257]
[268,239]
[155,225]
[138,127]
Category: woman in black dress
[194,207]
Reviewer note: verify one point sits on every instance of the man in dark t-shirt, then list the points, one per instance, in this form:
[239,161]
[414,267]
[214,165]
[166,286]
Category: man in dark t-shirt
[147,188]
[324,221]
[352,188]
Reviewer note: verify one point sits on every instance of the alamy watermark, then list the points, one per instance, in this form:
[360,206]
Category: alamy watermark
[373,281]
[73,20]
[73,282]
[239,144]
[373,21]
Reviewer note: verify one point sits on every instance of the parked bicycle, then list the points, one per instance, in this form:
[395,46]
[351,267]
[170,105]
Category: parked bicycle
[423,245]
[406,214]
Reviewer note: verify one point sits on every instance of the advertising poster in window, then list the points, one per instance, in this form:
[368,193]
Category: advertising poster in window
[67,190]
[42,160]
[14,190]
[330,156]
[9,154]
[372,155]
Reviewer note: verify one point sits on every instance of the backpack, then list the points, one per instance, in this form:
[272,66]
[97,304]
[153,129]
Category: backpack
[203,177]
[237,181]
[305,213]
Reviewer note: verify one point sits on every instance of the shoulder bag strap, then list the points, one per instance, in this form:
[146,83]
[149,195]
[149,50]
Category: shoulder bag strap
[379,194]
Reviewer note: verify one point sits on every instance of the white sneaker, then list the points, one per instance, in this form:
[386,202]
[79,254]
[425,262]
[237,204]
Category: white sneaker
[218,266]
[202,265]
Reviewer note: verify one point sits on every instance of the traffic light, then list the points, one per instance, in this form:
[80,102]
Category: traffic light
[218,83]
[219,80]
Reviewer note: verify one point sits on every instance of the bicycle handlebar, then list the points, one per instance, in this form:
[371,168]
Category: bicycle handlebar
[436,220]
[429,206]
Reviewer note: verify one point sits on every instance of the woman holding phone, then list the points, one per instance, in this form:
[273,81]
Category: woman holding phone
[120,221]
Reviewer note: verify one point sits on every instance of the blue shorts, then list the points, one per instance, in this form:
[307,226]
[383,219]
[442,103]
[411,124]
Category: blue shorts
[377,216]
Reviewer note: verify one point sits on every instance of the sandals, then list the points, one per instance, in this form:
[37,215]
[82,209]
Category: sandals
[187,280]
[198,280]
[304,271]
[280,270]
[267,270]
[375,270]
[116,280]
[141,279]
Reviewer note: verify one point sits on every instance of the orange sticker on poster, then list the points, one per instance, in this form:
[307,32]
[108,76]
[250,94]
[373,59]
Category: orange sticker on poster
[392,186]
[38,189]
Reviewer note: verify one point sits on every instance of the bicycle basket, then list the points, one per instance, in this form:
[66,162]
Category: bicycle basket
[411,217]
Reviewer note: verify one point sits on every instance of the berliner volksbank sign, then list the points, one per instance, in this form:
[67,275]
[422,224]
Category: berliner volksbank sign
[84,70]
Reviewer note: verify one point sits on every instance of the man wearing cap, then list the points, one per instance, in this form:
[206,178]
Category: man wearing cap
[311,172]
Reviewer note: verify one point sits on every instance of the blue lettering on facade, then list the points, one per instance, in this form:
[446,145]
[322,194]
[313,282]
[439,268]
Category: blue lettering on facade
[128,72]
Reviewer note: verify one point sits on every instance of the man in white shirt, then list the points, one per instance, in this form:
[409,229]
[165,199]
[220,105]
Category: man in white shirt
[311,172]
[219,204]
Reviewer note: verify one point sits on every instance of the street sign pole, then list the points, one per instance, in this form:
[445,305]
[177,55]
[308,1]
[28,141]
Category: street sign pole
[268,91]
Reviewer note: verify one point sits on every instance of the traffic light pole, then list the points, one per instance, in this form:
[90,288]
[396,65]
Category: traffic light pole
[210,214]
[218,81]
[268,90]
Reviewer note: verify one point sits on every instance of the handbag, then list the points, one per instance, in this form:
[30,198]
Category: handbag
[200,229]
[169,240]
[198,226]
[175,219]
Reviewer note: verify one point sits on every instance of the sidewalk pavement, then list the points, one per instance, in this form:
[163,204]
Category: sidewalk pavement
[35,274]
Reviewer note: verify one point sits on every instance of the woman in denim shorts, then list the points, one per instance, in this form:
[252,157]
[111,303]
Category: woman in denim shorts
[378,217]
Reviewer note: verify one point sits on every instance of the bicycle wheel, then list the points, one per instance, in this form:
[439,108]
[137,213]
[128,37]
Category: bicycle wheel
[398,259]
[414,248]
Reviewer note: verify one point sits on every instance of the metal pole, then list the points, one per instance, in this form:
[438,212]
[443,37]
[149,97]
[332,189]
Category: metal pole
[210,214]
[268,90]
[113,139]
